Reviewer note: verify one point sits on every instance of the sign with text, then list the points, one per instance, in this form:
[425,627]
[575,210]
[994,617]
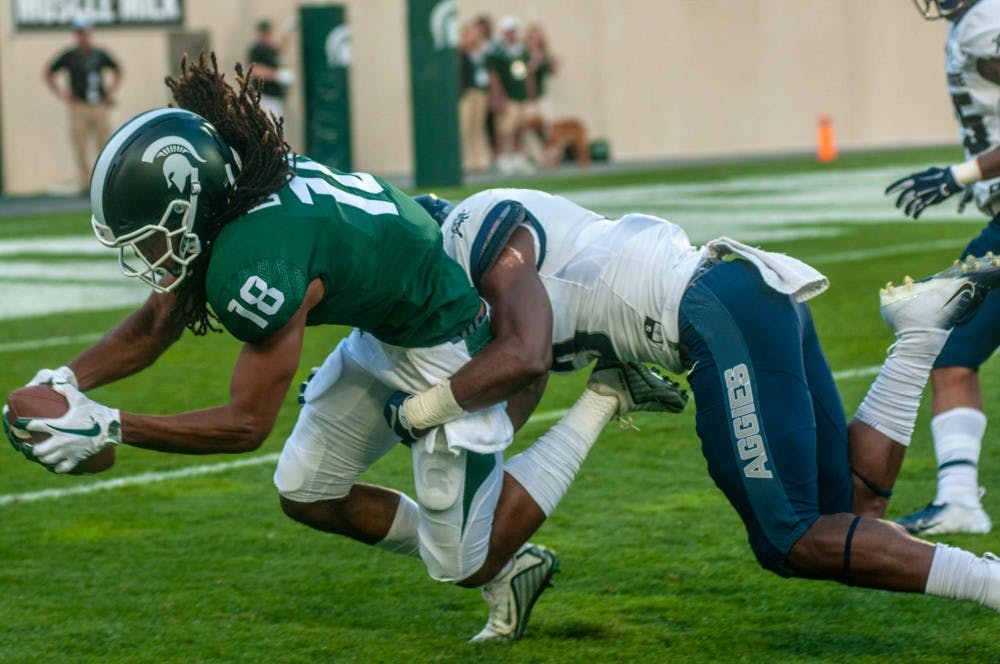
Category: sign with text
[65,14]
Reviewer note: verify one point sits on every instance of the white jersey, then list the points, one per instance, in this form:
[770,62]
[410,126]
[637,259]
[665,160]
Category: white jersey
[976,36]
[615,286]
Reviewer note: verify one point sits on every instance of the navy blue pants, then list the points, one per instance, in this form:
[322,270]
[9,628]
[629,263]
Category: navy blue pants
[769,417]
[971,344]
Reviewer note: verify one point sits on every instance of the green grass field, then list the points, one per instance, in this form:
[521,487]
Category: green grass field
[204,567]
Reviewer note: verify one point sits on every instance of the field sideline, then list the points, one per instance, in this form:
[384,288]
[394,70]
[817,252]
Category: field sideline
[170,558]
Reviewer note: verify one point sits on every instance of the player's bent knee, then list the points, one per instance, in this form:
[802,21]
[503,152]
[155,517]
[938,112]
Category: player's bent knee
[295,510]
[771,560]
[326,515]
[307,513]
[457,494]
[794,556]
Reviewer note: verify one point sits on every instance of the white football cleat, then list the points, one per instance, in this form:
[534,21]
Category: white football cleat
[944,518]
[940,301]
[512,596]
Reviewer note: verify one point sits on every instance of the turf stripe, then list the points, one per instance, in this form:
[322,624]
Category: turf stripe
[880,252]
[32,344]
[137,480]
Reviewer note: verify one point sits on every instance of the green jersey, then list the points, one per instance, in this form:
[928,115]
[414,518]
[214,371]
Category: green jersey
[378,254]
[511,65]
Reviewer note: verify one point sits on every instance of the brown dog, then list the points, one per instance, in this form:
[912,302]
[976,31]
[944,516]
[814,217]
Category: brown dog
[559,135]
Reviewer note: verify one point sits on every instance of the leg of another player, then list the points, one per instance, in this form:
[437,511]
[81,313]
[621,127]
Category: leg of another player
[958,427]
[369,514]
[878,554]
[536,480]
[875,462]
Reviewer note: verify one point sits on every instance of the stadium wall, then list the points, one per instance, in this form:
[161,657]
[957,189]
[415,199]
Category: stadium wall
[659,78]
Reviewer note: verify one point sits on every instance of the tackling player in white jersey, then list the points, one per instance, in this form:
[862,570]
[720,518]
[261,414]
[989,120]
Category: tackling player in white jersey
[972,65]
[809,487]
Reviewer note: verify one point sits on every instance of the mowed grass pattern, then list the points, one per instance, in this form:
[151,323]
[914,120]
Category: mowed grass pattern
[655,562]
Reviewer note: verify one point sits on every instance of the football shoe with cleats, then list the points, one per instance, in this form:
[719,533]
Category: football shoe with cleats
[945,518]
[637,388]
[942,300]
[511,597]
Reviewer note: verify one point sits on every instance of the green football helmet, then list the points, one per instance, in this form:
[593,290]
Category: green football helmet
[156,184]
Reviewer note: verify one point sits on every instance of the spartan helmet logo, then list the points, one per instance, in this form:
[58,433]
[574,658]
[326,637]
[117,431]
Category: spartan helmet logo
[338,47]
[444,25]
[177,153]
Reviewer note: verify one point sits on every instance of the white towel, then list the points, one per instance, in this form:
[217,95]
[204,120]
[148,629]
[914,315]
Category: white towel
[484,431]
[781,272]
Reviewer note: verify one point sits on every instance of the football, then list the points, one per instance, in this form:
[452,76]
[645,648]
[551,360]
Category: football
[43,401]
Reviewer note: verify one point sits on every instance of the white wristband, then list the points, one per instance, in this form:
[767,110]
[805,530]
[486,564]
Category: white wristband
[967,172]
[432,407]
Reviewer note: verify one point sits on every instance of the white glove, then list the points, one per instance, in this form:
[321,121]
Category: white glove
[290,24]
[50,376]
[84,430]
[285,76]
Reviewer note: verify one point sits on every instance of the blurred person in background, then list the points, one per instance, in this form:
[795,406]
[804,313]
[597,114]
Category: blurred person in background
[972,66]
[264,55]
[508,62]
[545,140]
[541,64]
[474,83]
[485,23]
[86,95]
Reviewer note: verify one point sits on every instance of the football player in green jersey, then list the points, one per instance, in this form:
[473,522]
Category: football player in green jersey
[204,204]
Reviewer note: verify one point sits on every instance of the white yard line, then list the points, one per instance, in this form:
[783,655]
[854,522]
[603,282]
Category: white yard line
[32,344]
[137,480]
[152,477]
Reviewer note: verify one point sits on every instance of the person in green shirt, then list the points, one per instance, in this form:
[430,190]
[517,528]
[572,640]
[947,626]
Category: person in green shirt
[206,206]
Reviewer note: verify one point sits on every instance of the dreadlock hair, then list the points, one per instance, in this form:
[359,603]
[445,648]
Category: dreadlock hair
[258,138]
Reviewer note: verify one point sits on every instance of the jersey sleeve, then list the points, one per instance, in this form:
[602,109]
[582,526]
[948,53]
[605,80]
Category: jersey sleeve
[59,62]
[108,61]
[259,298]
[980,36]
[479,228]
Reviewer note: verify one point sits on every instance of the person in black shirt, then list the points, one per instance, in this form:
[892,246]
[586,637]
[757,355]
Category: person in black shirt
[264,56]
[86,95]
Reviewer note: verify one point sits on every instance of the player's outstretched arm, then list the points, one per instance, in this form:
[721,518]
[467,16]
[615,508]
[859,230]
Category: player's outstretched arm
[128,348]
[263,373]
[132,345]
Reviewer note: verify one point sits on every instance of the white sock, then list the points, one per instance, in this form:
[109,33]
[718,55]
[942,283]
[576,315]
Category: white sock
[402,535]
[958,574]
[890,407]
[546,469]
[958,437]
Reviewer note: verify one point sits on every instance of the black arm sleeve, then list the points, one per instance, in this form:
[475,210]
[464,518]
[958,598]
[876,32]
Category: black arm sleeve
[59,62]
